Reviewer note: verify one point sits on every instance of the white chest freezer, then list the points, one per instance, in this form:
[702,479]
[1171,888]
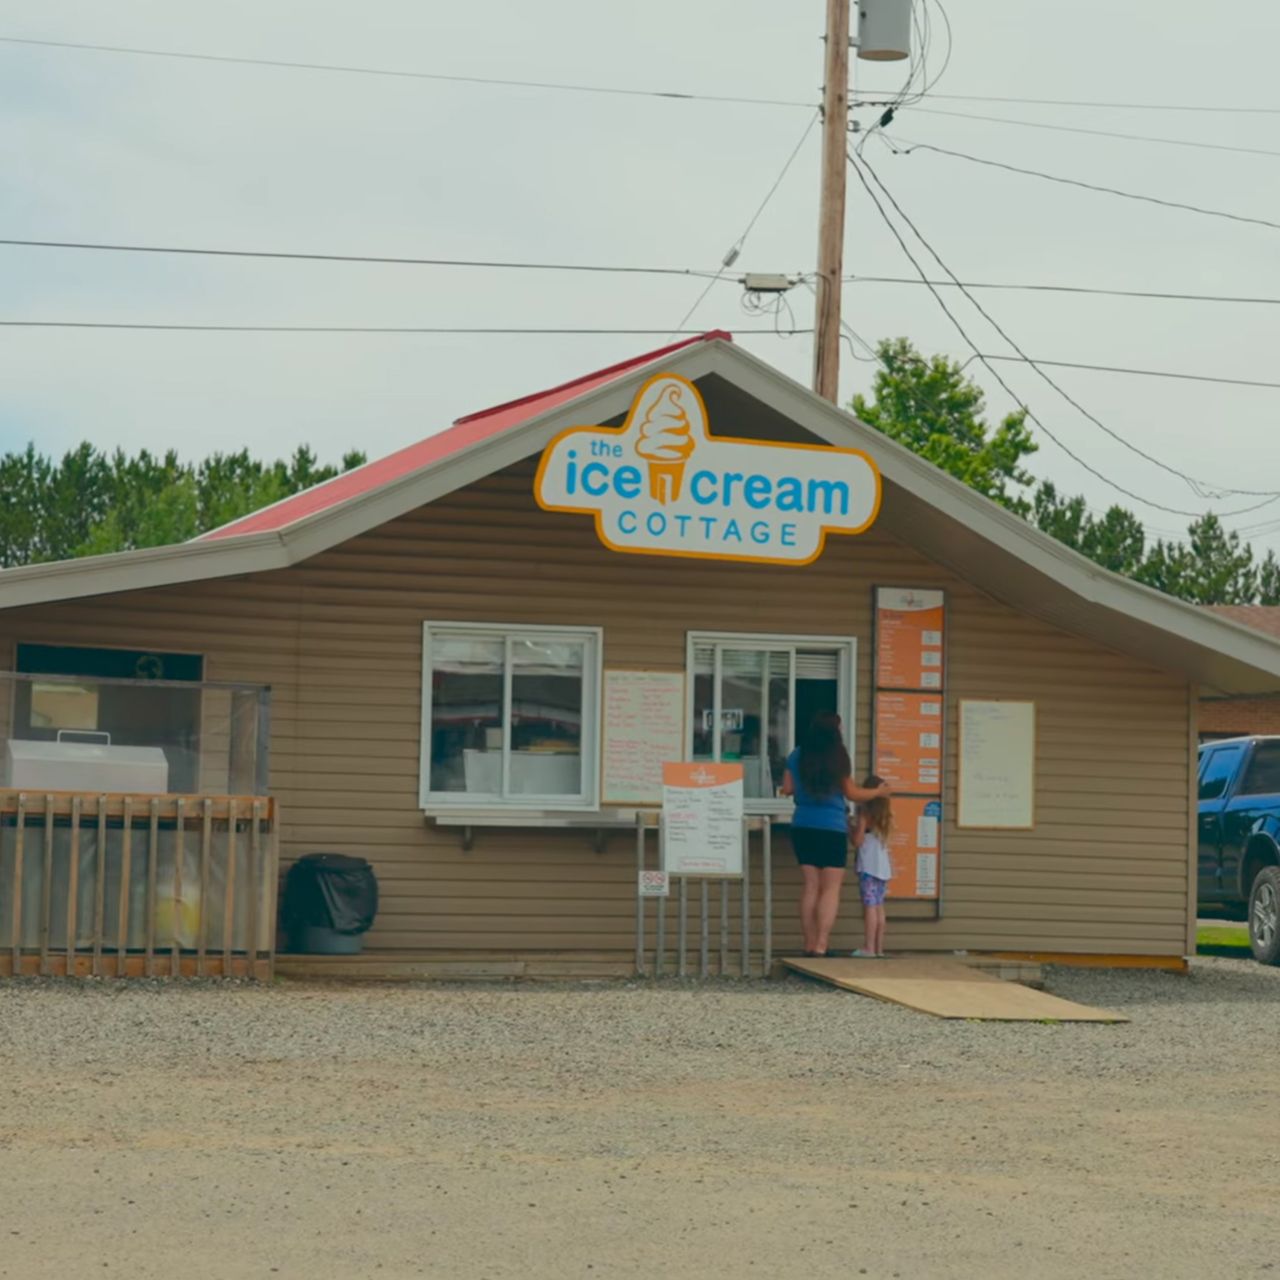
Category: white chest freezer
[85,766]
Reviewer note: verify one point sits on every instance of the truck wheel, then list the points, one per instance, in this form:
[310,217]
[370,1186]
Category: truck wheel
[1264,916]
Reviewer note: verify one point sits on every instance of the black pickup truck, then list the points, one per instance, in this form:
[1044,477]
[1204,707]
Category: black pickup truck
[1239,862]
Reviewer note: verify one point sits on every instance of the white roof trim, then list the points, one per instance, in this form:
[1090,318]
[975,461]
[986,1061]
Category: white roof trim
[258,552]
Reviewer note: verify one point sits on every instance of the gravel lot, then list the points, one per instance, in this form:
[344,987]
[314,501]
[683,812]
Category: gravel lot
[779,1129]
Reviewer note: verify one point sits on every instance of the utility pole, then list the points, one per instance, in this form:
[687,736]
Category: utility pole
[835,140]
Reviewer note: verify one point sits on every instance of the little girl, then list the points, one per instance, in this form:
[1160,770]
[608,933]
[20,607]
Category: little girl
[871,837]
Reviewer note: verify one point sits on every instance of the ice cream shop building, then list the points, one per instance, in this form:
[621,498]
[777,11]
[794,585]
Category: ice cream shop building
[469,662]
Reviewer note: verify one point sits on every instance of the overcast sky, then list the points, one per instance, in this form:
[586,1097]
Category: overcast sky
[115,148]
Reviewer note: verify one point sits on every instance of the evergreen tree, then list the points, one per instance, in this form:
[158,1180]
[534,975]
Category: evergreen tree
[90,503]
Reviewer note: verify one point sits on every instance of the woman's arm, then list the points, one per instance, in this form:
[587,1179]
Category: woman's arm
[860,795]
[788,783]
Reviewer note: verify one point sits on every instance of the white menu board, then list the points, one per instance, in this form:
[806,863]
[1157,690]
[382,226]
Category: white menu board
[997,780]
[702,819]
[643,728]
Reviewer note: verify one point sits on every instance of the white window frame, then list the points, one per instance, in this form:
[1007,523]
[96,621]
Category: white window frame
[846,685]
[592,682]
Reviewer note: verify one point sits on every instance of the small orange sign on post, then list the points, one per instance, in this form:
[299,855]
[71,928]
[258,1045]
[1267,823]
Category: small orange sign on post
[702,819]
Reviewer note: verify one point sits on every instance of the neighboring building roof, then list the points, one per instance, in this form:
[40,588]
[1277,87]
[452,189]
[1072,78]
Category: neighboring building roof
[933,512]
[465,433]
[1258,617]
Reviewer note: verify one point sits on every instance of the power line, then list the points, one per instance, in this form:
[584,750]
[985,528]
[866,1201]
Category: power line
[1147,373]
[405,75]
[995,373]
[731,256]
[1197,486]
[376,259]
[1157,295]
[910,148]
[1198,107]
[321,328]
[1099,133]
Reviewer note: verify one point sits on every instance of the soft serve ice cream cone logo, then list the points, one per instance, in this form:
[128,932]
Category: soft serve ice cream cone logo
[665,442]
[662,484]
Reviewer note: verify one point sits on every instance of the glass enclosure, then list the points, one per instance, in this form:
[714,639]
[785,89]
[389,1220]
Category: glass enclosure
[134,735]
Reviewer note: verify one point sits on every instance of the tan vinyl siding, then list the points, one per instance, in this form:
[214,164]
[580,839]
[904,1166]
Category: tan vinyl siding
[339,639]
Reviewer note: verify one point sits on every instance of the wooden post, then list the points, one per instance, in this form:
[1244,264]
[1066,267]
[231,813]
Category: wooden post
[100,887]
[46,889]
[73,885]
[126,866]
[229,903]
[835,140]
[253,888]
[206,849]
[272,808]
[153,857]
[179,856]
[19,856]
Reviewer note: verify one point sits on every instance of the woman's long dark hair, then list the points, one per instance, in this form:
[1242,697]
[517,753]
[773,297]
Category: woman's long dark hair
[824,759]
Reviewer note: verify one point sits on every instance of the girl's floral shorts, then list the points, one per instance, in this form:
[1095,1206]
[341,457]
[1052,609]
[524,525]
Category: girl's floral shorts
[872,890]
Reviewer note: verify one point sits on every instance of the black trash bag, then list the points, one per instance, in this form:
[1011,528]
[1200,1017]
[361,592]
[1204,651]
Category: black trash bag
[330,891]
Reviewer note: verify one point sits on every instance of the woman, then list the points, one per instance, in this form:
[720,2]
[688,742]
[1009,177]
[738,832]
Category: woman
[819,776]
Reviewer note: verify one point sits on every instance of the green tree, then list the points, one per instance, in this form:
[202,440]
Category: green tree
[90,502]
[1212,567]
[1269,580]
[932,408]
[929,406]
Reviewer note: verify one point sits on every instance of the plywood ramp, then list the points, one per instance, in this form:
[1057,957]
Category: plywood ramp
[947,988]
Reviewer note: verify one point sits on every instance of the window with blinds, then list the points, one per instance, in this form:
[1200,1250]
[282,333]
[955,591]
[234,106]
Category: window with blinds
[752,696]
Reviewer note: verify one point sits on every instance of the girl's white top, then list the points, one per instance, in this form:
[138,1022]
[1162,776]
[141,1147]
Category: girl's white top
[873,857]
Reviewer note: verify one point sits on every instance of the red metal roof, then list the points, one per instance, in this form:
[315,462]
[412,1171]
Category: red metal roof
[464,433]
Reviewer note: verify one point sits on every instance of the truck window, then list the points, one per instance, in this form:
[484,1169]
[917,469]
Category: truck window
[1218,770]
[1263,774]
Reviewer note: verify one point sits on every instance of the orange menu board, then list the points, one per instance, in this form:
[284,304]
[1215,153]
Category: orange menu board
[909,624]
[908,737]
[914,847]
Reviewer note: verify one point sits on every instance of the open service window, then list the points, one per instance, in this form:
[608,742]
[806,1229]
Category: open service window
[510,716]
[751,696]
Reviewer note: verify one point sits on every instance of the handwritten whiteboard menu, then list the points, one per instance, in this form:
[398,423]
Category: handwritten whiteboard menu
[914,847]
[909,626]
[997,780]
[702,819]
[643,728]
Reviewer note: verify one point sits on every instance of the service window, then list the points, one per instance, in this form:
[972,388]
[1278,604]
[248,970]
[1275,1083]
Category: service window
[751,696]
[510,717]
[1262,777]
[1217,771]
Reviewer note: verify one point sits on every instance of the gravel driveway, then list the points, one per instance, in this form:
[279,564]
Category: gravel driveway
[782,1129]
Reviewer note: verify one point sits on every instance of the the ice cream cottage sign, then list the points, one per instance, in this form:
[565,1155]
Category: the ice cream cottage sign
[662,485]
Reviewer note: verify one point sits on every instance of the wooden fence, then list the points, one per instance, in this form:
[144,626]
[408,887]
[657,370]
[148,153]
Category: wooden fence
[137,886]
